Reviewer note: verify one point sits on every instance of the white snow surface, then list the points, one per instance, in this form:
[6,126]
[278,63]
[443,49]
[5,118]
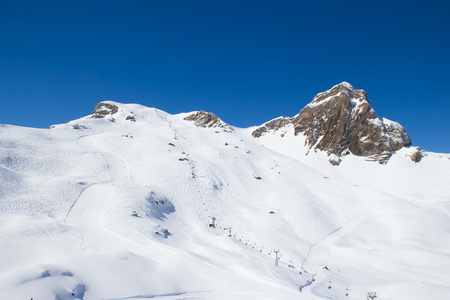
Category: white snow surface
[117,209]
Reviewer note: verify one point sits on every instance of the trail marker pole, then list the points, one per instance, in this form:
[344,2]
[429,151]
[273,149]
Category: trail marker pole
[276,256]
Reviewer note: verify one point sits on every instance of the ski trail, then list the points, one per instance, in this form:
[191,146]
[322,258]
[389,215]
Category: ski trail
[86,213]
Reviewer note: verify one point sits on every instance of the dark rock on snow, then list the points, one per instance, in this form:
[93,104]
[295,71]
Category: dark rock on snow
[204,119]
[417,155]
[103,109]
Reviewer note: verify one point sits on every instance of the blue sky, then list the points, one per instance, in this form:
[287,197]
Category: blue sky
[246,61]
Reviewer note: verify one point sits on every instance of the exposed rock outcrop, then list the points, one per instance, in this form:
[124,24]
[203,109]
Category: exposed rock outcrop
[207,120]
[131,118]
[103,109]
[417,154]
[273,125]
[340,120]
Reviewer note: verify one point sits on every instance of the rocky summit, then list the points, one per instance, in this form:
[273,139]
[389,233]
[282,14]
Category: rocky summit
[207,120]
[103,109]
[204,119]
[341,121]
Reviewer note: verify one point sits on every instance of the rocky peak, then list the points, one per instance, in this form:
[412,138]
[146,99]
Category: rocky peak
[344,88]
[103,109]
[341,121]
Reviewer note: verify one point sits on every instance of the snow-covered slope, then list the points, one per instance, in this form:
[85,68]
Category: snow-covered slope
[121,206]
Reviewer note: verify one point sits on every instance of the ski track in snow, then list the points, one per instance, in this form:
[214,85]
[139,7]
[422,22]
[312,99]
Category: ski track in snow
[87,212]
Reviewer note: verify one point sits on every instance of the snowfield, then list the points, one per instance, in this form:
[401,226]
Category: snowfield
[157,208]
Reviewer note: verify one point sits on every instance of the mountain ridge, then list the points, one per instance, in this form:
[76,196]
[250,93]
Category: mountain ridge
[141,204]
[339,121]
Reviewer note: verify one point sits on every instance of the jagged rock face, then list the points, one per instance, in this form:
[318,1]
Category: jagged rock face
[341,120]
[204,119]
[398,137]
[103,109]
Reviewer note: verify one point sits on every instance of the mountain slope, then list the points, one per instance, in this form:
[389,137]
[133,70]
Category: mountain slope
[118,205]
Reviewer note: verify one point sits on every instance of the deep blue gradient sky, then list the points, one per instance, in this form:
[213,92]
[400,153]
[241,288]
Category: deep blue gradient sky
[246,61]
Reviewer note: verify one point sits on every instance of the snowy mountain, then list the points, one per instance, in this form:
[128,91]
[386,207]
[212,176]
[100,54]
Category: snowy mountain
[133,203]
[341,121]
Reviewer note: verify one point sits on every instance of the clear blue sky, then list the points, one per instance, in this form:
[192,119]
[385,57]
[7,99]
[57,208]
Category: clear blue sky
[246,61]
